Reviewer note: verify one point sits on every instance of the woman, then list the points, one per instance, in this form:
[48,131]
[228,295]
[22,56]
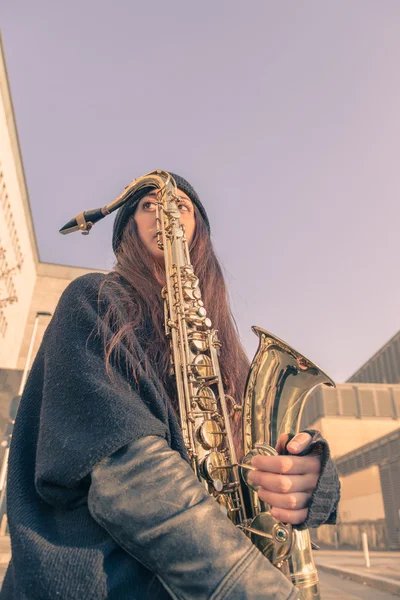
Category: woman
[102,502]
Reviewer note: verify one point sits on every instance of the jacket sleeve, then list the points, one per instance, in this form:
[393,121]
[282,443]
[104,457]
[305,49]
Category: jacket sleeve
[326,495]
[148,499]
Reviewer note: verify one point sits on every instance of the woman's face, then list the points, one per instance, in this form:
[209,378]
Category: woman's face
[145,217]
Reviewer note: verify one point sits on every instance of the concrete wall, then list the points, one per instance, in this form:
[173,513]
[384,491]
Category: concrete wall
[347,433]
[361,506]
[361,498]
[50,283]
[16,231]
[348,535]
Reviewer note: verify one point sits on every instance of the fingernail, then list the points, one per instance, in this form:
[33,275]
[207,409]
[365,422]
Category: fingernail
[250,477]
[293,446]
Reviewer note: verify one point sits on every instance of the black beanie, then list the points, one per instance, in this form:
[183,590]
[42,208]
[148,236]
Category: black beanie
[127,210]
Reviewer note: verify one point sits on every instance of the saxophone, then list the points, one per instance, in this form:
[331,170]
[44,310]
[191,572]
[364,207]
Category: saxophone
[279,382]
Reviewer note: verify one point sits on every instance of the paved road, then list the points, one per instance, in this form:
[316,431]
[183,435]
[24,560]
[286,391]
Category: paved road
[332,588]
[336,588]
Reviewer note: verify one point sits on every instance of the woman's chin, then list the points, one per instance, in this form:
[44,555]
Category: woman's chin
[158,256]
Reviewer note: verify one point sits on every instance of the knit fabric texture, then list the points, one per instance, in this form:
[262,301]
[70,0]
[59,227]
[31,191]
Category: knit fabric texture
[127,210]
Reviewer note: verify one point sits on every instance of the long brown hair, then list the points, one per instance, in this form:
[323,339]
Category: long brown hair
[139,279]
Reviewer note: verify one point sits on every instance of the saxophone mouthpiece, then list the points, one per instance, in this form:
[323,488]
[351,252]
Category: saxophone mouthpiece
[84,221]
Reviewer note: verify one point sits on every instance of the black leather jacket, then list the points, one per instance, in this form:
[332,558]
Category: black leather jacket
[148,500]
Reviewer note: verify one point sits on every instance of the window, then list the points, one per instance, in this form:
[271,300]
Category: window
[348,402]
[396,397]
[384,403]
[331,403]
[367,403]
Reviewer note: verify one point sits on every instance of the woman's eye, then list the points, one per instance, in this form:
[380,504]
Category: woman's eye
[149,205]
[183,207]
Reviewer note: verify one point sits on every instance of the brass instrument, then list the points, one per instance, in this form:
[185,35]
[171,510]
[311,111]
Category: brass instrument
[278,384]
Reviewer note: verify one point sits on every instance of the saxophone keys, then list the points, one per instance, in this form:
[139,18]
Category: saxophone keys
[201,311]
[227,506]
[197,318]
[188,270]
[235,407]
[273,538]
[202,367]
[217,485]
[210,434]
[206,399]
[246,466]
[188,292]
[191,293]
[198,342]
[215,466]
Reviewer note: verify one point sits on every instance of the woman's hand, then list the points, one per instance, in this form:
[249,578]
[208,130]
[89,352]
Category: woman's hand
[287,482]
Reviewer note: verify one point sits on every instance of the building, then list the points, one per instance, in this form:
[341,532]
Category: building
[372,472]
[361,420]
[19,256]
[383,367]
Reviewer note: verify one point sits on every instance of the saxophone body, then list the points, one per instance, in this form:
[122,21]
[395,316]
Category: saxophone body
[278,384]
[194,344]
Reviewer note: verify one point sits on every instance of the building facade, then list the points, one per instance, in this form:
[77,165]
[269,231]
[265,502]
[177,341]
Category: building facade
[383,367]
[371,486]
[361,420]
[18,249]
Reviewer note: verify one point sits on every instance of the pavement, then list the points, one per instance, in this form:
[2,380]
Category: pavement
[334,587]
[383,573]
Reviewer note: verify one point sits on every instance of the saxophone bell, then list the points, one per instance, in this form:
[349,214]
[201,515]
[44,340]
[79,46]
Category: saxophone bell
[279,382]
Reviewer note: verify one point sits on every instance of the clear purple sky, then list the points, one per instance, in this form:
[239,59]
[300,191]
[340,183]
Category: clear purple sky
[285,116]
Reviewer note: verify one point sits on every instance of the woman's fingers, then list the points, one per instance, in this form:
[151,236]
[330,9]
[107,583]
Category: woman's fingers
[294,517]
[293,501]
[298,444]
[291,465]
[282,439]
[283,484]
[287,482]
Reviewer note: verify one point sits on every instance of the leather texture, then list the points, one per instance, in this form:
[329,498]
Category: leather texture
[148,499]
